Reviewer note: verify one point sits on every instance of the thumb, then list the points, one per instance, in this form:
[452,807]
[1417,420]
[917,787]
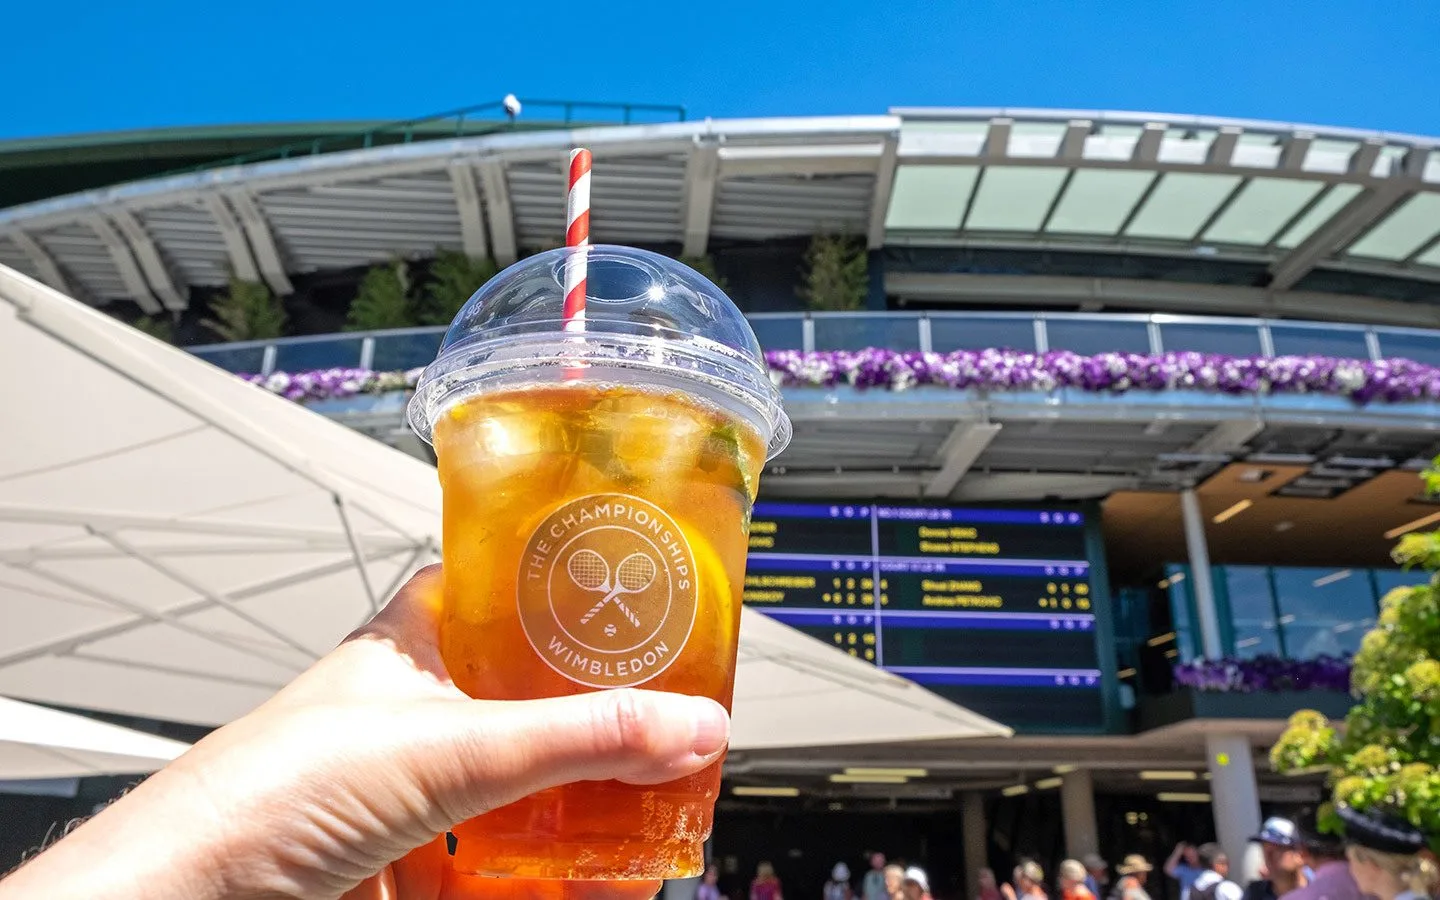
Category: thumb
[476,755]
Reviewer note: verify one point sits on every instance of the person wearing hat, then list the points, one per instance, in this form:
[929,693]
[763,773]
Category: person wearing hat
[1134,871]
[1330,877]
[1097,873]
[916,885]
[1029,881]
[838,887]
[1279,841]
[1389,858]
[1072,881]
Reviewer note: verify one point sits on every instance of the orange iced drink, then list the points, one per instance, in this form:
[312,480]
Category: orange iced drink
[594,538]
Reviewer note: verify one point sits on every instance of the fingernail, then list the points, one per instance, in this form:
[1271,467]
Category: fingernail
[712,729]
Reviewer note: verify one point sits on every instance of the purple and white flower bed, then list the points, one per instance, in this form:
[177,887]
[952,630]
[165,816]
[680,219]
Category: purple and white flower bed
[1265,674]
[1361,381]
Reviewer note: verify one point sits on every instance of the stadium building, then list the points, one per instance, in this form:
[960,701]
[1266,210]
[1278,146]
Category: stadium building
[1118,393]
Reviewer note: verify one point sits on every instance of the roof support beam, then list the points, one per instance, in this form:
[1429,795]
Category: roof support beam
[1292,154]
[1072,145]
[880,199]
[44,263]
[498,211]
[262,240]
[119,251]
[1345,226]
[997,139]
[702,182]
[1222,149]
[174,295]
[1227,437]
[242,261]
[966,442]
[472,215]
[1147,147]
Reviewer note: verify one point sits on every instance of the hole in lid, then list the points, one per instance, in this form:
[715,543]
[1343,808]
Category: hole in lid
[614,279]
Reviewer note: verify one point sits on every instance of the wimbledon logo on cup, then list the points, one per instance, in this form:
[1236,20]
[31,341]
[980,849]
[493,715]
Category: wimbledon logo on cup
[607,591]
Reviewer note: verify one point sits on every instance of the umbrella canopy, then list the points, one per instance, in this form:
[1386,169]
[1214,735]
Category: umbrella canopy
[36,742]
[177,544]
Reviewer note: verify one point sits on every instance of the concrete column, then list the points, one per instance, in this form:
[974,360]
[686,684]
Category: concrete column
[975,835]
[1077,808]
[1201,587]
[1235,797]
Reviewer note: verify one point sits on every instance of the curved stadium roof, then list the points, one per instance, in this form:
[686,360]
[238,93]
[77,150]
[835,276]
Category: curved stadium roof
[1267,217]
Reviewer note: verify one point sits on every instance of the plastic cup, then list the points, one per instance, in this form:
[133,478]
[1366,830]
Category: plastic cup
[597,495]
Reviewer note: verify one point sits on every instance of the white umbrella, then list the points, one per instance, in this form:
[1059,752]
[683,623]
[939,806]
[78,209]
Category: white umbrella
[36,742]
[177,544]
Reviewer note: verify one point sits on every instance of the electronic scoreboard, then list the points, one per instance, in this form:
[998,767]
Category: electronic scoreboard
[992,608]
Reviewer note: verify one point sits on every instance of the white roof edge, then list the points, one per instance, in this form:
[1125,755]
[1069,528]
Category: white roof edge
[597,138]
[1129,117]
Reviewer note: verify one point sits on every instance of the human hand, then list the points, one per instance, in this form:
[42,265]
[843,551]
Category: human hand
[344,782]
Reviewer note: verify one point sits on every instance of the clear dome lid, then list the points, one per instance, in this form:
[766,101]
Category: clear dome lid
[649,321]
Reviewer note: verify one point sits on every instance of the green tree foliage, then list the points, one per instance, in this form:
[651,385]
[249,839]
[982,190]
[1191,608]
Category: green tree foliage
[383,300]
[158,327]
[454,276]
[246,312]
[835,275]
[705,265]
[1388,756]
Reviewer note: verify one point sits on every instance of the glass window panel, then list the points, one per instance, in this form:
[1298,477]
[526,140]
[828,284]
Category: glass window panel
[1421,346]
[1431,172]
[1330,156]
[1186,640]
[323,353]
[930,197]
[889,331]
[1263,207]
[1430,257]
[240,360]
[1097,201]
[405,351]
[1252,610]
[1403,231]
[1294,340]
[779,332]
[1387,580]
[1187,145]
[1180,204]
[1231,340]
[1319,214]
[1091,336]
[1388,162]
[974,332]
[1014,199]
[1323,612]
[940,126]
[1035,138]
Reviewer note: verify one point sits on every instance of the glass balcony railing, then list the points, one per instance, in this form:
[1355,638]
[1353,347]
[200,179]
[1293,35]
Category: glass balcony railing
[940,332]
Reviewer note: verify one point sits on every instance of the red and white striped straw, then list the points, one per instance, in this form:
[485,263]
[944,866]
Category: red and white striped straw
[577,234]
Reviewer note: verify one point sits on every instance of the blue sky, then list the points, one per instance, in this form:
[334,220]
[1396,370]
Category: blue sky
[89,66]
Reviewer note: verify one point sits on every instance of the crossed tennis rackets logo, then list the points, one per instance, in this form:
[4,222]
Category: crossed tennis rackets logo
[590,572]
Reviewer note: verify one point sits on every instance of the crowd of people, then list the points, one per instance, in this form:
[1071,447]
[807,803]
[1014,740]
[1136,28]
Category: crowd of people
[1378,860]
